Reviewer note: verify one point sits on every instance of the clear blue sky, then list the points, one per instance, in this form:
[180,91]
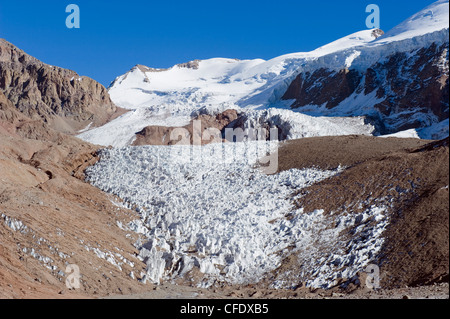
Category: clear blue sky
[116,35]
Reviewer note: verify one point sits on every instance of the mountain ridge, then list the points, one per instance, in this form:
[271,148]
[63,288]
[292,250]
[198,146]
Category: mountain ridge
[63,99]
[354,76]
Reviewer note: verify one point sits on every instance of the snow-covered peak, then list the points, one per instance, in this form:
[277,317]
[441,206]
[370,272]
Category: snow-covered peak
[353,40]
[183,84]
[433,18]
[288,64]
[221,80]
[258,83]
[219,84]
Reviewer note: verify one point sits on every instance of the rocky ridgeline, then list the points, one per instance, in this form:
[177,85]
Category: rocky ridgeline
[412,88]
[60,97]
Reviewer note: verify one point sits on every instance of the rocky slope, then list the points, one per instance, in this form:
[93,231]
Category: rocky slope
[408,178]
[60,97]
[400,80]
[412,88]
[49,217]
[161,135]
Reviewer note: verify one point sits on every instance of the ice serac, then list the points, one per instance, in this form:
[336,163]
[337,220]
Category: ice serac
[60,97]
[400,79]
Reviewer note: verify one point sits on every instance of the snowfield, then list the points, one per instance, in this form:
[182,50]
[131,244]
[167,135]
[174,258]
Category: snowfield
[215,212]
[168,97]
[433,18]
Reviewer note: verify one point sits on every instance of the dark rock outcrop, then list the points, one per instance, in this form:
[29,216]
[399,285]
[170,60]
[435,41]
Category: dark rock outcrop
[228,126]
[323,87]
[161,135]
[412,88]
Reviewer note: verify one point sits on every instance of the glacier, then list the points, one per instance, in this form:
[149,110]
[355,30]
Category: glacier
[210,209]
[228,220]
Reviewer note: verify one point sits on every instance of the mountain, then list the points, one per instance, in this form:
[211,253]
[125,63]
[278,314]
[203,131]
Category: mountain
[172,97]
[401,77]
[335,205]
[212,216]
[392,82]
[44,201]
[60,97]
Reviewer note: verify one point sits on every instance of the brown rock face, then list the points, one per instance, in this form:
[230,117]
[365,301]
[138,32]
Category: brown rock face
[333,89]
[417,83]
[413,87]
[12,122]
[60,97]
[205,129]
[7,111]
[161,135]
